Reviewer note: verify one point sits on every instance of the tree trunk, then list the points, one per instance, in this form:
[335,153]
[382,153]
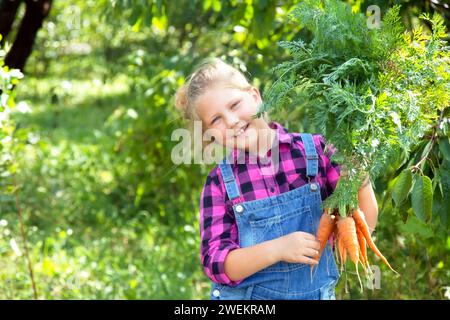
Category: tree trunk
[35,13]
[8,11]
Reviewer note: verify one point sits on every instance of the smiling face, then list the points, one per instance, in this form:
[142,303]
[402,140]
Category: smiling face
[227,112]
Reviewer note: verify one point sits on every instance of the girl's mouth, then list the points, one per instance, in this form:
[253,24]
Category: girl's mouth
[242,130]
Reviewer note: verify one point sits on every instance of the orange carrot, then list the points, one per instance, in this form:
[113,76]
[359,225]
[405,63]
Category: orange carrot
[361,223]
[326,227]
[347,231]
[335,240]
[362,247]
[342,251]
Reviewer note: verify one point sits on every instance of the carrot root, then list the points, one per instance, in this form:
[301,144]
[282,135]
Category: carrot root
[360,221]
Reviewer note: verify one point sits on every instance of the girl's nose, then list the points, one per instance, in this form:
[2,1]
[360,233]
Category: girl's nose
[231,119]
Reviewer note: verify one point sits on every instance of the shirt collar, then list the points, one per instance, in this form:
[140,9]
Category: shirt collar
[282,135]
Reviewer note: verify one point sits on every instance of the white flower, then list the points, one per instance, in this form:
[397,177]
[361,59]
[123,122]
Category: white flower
[6,140]
[396,120]
[447,292]
[23,107]
[132,113]
[239,29]
[33,138]
[15,247]
[3,117]
[15,73]
[66,85]
[375,143]
[4,101]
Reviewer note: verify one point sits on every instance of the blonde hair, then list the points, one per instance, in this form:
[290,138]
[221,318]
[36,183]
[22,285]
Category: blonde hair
[207,73]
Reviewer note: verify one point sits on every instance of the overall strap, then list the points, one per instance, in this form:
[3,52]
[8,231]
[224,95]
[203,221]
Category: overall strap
[229,180]
[312,163]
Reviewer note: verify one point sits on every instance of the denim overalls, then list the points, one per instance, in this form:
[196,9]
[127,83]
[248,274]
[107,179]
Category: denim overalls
[270,218]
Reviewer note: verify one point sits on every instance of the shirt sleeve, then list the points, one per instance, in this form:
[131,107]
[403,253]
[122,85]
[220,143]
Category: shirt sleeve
[218,230]
[332,169]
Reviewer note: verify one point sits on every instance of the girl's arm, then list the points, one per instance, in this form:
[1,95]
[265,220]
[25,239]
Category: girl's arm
[243,262]
[295,247]
[368,204]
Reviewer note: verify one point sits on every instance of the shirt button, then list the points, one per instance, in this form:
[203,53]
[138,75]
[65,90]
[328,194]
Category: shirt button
[272,189]
[239,208]
[216,293]
[313,187]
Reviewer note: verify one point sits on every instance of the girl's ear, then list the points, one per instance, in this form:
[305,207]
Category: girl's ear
[254,92]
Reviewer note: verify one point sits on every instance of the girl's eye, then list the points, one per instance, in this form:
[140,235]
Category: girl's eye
[235,104]
[214,120]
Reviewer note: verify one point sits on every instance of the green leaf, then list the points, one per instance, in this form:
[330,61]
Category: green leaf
[402,187]
[148,15]
[135,16]
[417,227]
[441,209]
[405,209]
[422,198]
[444,147]
[216,5]
[263,18]
[444,210]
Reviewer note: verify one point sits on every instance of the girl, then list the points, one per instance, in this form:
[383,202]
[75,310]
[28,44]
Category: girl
[257,224]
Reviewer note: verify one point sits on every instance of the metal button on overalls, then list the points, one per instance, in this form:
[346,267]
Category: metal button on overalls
[313,186]
[239,208]
[216,293]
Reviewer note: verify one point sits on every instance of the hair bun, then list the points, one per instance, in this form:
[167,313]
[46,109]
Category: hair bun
[181,100]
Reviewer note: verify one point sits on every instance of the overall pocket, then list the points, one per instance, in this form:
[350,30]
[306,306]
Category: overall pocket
[274,227]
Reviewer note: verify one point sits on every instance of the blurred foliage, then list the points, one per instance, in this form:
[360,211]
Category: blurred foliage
[108,215]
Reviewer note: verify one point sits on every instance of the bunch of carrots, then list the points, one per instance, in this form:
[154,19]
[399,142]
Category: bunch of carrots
[351,236]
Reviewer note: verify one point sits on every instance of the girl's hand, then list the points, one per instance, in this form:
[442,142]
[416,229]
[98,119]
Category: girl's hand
[298,247]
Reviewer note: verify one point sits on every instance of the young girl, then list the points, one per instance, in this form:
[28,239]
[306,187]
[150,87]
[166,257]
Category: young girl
[258,224]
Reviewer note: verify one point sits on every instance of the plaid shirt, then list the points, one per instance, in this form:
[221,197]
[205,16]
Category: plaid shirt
[218,228]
